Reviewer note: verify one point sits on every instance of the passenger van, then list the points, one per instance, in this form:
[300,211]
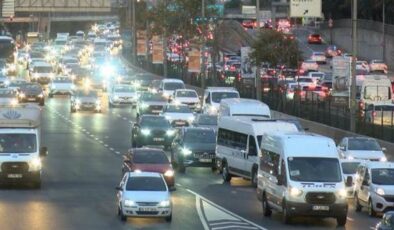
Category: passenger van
[238,142]
[243,107]
[214,95]
[300,175]
[168,86]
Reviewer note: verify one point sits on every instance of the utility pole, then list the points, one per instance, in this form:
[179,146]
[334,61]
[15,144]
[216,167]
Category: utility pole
[352,100]
[204,44]
[258,74]
[384,31]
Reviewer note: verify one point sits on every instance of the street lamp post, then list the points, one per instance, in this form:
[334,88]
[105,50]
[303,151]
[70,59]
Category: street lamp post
[352,101]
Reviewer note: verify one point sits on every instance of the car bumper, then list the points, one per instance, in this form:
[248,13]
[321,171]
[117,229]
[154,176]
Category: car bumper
[124,102]
[381,205]
[61,91]
[139,212]
[87,107]
[42,80]
[31,99]
[154,140]
[208,161]
[21,177]
[305,209]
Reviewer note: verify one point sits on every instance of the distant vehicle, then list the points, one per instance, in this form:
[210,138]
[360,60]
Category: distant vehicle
[7,49]
[188,97]
[150,103]
[249,24]
[332,51]
[316,76]
[242,107]
[149,160]
[206,121]
[309,65]
[168,87]
[349,169]
[152,130]
[85,100]
[314,39]
[80,34]
[378,114]
[213,97]
[154,86]
[362,148]
[378,66]
[319,57]
[31,92]
[122,94]
[42,72]
[62,86]
[178,115]
[194,146]
[143,194]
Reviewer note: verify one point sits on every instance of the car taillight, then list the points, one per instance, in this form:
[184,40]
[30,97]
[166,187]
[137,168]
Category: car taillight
[361,105]
[302,93]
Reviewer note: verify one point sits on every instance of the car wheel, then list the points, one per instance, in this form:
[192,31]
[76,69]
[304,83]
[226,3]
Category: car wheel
[286,218]
[169,218]
[266,208]
[357,204]
[225,174]
[371,211]
[123,217]
[341,220]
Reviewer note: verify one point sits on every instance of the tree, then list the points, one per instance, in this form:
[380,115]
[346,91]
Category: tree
[276,49]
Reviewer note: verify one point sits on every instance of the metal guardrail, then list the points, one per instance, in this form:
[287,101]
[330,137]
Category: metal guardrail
[362,24]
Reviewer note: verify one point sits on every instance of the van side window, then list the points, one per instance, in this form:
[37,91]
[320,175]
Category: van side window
[269,162]
[252,146]
[232,139]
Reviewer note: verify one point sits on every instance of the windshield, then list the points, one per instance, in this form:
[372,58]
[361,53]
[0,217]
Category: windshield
[314,169]
[18,143]
[377,92]
[178,109]
[43,69]
[124,89]
[364,144]
[350,167]
[144,183]
[7,93]
[84,93]
[186,94]
[218,96]
[146,157]
[208,120]
[383,176]
[31,87]
[196,136]
[155,121]
[62,80]
[173,86]
[152,97]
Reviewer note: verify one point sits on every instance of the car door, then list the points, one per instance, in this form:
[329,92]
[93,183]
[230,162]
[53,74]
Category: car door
[364,187]
[236,161]
[251,156]
[176,147]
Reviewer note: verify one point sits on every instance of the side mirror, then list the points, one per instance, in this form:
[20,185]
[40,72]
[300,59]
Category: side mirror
[43,151]
[118,188]
[349,181]
[384,149]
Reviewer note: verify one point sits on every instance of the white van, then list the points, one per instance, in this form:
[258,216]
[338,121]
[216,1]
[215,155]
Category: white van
[238,141]
[300,175]
[213,97]
[168,86]
[243,107]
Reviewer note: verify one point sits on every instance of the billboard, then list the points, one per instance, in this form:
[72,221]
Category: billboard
[157,50]
[247,69]
[305,8]
[141,43]
[194,65]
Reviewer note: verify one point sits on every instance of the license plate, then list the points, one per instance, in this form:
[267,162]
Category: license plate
[158,139]
[31,99]
[147,209]
[320,208]
[156,111]
[205,160]
[14,175]
[180,123]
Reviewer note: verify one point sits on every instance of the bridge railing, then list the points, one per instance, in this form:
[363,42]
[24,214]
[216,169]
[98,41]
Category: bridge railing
[361,24]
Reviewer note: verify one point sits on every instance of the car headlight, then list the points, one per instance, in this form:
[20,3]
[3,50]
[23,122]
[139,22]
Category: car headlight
[35,75]
[170,132]
[186,151]
[22,95]
[169,173]
[383,159]
[342,193]
[53,86]
[137,171]
[165,203]
[98,102]
[212,109]
[72,87]
[380,191]
[190,119]
[78,101]
[167,117]
[51,75]
[14,102]
[166,95]
[350,157]
[136,84]
[41,95]
[129,203]
[143,106]
[116,97]
[35,164]
[295,192]
[145,132]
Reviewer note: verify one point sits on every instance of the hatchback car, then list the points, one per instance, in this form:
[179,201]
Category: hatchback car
[188,97]
[363,148]
[143,194]
[149,160]
[122,94]
[194,147]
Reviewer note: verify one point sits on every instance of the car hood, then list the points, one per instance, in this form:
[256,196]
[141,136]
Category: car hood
[365,154]
[32,92]
[201,147]
[179,116]
[188,99]
[146,196]
[162,103]
[160,168]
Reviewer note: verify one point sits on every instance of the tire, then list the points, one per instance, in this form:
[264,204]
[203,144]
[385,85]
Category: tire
[371,212]
[357,204]
[341,220]
[254,178]
[225,174]
[169,218]
[286,218]
[265,206]
[123,218]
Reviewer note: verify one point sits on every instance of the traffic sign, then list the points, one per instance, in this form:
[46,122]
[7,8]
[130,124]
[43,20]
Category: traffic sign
[305,8]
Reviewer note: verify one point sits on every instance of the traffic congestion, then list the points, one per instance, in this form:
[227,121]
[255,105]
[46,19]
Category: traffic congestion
[111,144]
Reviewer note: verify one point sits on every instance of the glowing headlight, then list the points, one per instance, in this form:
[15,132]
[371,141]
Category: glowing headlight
[145,132]
[144,106]
[41,95]
[129,203]
[212,109]
[36,164]
[137,171]
[186,151]
[78,102]
[169,173]
[383,159]
[7,82]
[72,87]
[176,102]
[165,203]
[97,102]
[170,132]
[22,95]
[73,77]
[51,75]
[35,75]
[350,157]
[380,191]
[190,119]
[53,86]
[136,84]
[166,95]
[342,193]
[14,102]
[167,117]
[116,97]
[295,192]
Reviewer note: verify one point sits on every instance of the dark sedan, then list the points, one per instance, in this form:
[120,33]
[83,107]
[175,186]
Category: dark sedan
[31,92]
[194,147]
[149,160]
[152,130]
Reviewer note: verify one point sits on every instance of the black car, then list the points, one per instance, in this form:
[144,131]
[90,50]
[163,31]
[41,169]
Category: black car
[206,121]
[31,92]
[150,103]
[193,146]
[152,130]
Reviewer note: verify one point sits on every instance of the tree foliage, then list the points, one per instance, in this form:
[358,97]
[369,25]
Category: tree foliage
[274,48]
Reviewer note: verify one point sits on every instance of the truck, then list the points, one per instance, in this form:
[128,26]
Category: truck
[20,144]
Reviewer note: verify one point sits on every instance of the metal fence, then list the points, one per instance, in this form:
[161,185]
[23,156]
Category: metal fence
[361,24]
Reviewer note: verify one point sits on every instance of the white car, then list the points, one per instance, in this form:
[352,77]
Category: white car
[214,95]
[188,97]
[319,57]
[309,65]
[363,148]
[349,169]
[143,194]
[61,85]
[8,97]
[178,115]
[378,65]
[122,94]
[42,72]
[168,86]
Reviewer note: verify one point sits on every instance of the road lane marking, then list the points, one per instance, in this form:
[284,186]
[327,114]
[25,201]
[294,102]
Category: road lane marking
[216,217]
